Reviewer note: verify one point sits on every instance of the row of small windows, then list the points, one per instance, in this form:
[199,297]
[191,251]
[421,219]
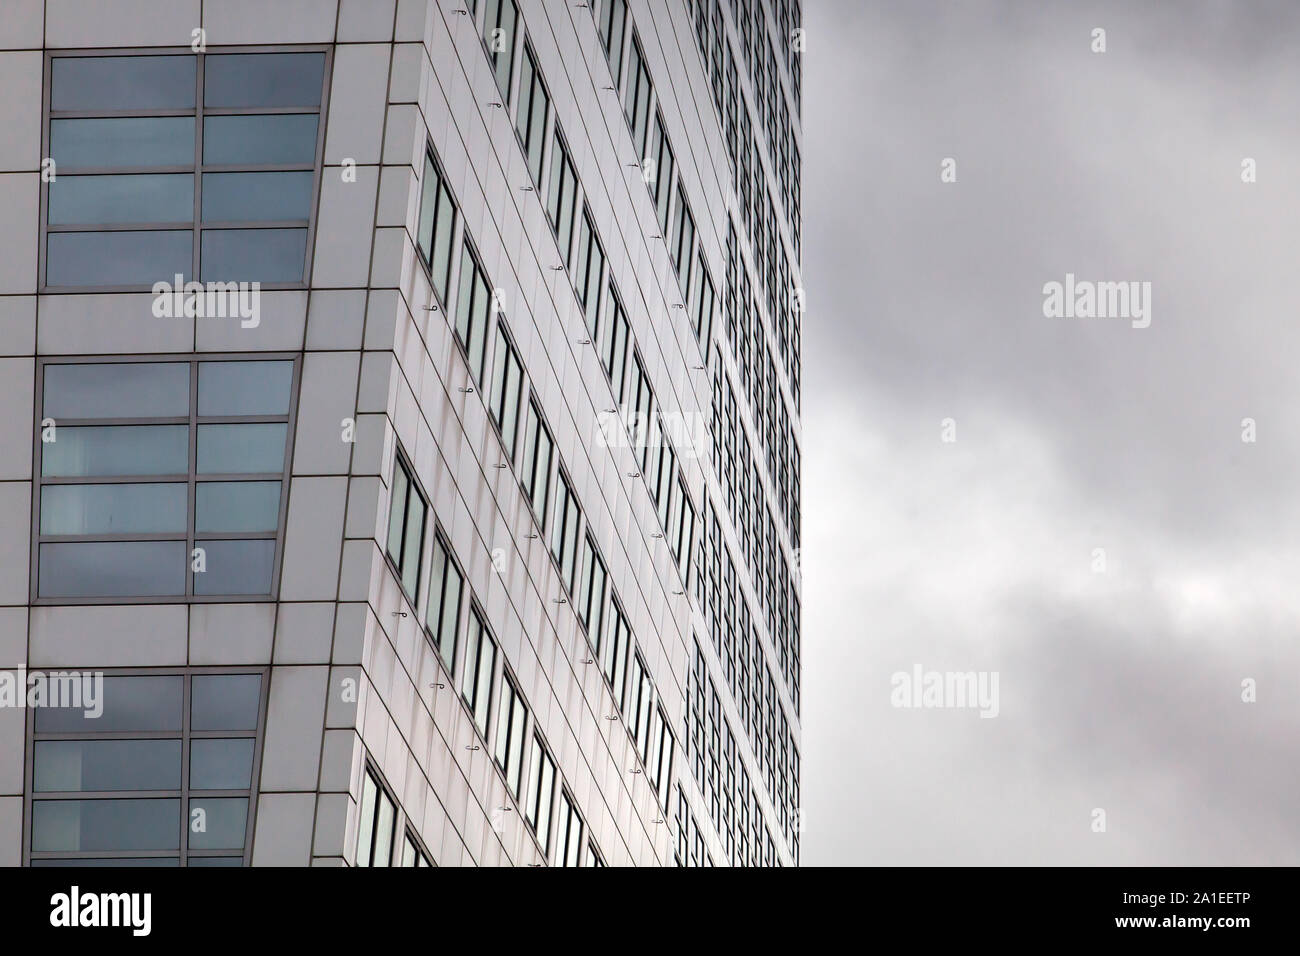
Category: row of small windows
[718,766]
[203,166]
[162,479]
[163,775]
[452,617]
[378,827]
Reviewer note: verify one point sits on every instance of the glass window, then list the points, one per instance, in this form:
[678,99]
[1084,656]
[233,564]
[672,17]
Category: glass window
[589,266]
[565,530]
[509,751]
[561,194]
[412,854]
[442,616]
[112,777]
[507,383]
[476,677]
[245,80]
[702,303]
[642,701]
[236,567]
[406,513]
[112,569]
[499,23]
[245,388]
[377,815]
[538,449]
[136,508]
[118,390]
[613,655]
[251,448]
[530,114]
[117,259]
[612,343]
[591,591]
[473,307]
[122,83]
[613,18]
[683,239]
[541,793]
[287,139]
[570,832]
[636,97]
[661,185]
[266,108]
[437,220]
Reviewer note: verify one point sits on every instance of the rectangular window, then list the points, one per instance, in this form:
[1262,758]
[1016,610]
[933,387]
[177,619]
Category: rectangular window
[613,19]
[530,114]
[442,613]
[412,853]
[564,532]
[683,239]
[541,793]
[500,20]
[642,703]
[437,220]
[135,201]
[593,855]
[613,655]
[507,384]
[162,479]
[509,752]
[661,186]
[119,787]
[570,832]
[612,344]
[538,450]
[406,513]
[377,813]
[591,591]
[702,304]
[476,674]
[639,414]
[636,97]
[561,195]
[473,309]
[588,266]
[683,533]
[659,765]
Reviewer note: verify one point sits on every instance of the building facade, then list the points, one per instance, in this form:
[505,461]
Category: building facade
[402,459]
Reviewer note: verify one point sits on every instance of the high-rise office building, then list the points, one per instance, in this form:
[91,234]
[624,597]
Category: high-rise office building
[469,534]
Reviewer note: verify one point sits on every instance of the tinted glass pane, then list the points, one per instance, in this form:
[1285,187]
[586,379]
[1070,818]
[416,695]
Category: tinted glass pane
[263,79]
[122,141]
[265,197]
[117,450]
[120,861]
[253,255]
[106,825]
[236,567]
[225,701]
[215,860]
[221,764]
[257,140]
[127,704]
[236,506]
[117,258]
[147,197]
[63,765]
[220,825]
[241,449]
[122,82]
[117,390]
[113,509]
[112,569]
[245,388]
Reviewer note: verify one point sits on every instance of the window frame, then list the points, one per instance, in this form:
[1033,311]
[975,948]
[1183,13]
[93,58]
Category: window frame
[193,477]
[186,735]
[196,228]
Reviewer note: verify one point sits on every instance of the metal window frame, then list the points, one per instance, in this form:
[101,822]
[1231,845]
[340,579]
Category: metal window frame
[403,461]
[192,478]
[196,227]
[431,158]
[509,445]
[186,736]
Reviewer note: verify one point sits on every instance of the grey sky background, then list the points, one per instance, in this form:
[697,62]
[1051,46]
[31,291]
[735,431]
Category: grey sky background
[1119,690]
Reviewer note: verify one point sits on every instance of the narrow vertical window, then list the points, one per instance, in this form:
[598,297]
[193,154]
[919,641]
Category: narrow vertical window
[591,592]
[541,793]
[613,655]
[507,382]
[536,472]
[499,24]
[508,752]
[476,677]
[561,195]
[437,220]
[613,19]
[564,531]
[530,113]
[473,306]
[406,513]
[442,615]
[612,342]
[636,97]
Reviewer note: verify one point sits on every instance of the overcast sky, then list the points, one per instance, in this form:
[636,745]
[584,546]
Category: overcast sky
[1119,690]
